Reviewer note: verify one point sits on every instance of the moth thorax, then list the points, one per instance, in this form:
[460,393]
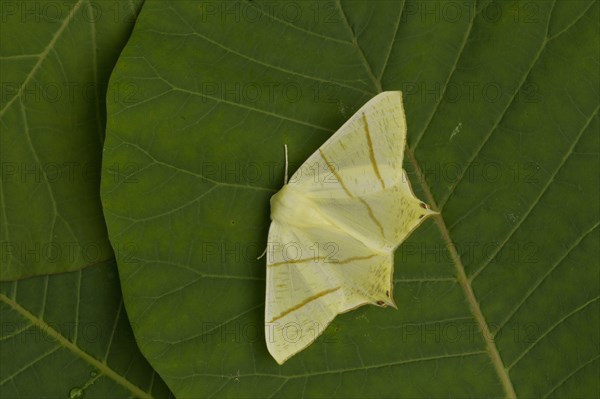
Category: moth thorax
[290,206]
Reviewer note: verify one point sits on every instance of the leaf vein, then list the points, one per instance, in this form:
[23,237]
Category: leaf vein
[550,329]
[42,56]
[536,201]
[570,375]
[63,342]
[376,82]
[230,50]
[443,92]
[491,348]
[389,51]
[569,26]
[498,121]
[544,277]
[299,28]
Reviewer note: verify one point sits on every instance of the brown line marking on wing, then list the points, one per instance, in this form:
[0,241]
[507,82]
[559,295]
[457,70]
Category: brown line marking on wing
[372,215]
[315,260]
[339,179]
[372,152]
[304,302]
[332,170]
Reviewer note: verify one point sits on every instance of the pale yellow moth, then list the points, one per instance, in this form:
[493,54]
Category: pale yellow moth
[335,226]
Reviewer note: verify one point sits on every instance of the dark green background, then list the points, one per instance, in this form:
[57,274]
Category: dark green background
[497,297]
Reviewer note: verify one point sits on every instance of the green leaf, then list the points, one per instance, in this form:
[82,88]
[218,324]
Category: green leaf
[61,335]
[56,58]
[498,296]
[68,335]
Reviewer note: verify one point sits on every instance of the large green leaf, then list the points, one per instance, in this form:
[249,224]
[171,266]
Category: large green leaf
[65,334]
[68,335]
[498,296]
[56,58]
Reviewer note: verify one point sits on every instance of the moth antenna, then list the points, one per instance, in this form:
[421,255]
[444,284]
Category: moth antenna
[285,178]
[263,254]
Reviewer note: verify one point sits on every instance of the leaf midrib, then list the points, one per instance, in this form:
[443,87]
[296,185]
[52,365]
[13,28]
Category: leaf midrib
[462,278]
[102,367]
[42,56]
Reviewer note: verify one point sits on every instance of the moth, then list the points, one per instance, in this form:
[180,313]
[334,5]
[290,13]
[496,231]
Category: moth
[335,226]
